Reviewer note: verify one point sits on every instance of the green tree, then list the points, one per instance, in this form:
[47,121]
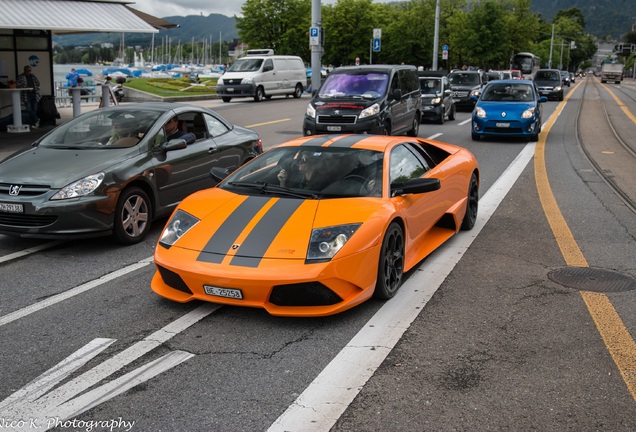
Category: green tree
[278,24]
[348,27]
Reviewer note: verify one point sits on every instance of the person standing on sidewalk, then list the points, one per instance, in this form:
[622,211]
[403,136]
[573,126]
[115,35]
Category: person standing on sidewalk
[30,98]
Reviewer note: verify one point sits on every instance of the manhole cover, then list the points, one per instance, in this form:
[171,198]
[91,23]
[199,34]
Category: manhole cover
[592,279]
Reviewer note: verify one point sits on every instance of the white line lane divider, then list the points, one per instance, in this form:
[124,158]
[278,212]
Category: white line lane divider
[29,251]
[41,409]
[332,391]
[21,313]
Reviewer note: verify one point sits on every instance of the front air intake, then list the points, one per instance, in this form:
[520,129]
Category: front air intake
[303,294]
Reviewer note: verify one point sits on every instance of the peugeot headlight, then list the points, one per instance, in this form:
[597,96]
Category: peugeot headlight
[370,111]
[179,224]
[326,242]
[311,111]
[79,188]
[529,113]
[480,112]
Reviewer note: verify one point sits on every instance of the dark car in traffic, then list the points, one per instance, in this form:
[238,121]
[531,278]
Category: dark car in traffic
[376,99]
[464,84]
[113,170]
[437,98]
[549,83]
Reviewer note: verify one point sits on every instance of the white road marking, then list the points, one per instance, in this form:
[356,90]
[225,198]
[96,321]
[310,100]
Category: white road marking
[28,251]
[332,391]
[21,313]
[468,120]
[435,136]
[36,403]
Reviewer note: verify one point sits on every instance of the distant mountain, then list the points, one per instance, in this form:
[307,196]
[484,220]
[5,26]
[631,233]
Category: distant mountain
[199,27]
[602,18]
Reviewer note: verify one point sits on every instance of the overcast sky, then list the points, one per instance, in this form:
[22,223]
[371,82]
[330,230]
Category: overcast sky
[165,8]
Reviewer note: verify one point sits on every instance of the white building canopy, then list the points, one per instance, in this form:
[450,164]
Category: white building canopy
[78,16]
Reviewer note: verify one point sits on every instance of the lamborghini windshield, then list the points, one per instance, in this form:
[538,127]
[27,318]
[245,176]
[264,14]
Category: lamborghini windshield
[311,172]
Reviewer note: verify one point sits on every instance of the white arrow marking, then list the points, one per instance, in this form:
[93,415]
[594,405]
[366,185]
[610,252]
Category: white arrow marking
[34,403]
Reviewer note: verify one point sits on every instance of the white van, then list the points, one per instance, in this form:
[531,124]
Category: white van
[261,74]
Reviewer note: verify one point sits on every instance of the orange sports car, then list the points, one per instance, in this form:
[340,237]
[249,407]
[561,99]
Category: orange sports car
[318,224]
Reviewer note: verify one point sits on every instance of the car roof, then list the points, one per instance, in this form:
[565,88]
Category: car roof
[372,68]
[369,142]
[511,82]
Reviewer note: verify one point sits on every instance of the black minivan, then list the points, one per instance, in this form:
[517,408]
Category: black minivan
[376,99]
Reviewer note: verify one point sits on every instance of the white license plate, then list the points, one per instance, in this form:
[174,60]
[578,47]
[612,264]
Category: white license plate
[334,128]
[11,208]
[503,125]
[223,292]
[230,89]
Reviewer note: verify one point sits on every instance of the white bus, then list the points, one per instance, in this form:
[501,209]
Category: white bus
[527,63]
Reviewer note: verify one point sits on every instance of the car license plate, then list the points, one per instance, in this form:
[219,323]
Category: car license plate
[223,292]
[230,89]
[334,128]
[11,208]
[503,125]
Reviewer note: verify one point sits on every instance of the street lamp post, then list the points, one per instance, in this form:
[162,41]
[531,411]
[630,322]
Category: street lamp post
[436,37]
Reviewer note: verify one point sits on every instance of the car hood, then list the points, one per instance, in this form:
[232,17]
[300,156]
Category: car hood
[59,167]
[342,105]
[258,227]
[512,110]
[548,83]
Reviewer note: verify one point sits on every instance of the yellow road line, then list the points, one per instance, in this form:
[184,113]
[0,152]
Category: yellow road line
[267,123]
[620,104]
[616,337]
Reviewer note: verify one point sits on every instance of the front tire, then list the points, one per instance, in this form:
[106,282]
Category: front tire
[391,265]
[226,99]
[472,204]
[132,216]
[259,95]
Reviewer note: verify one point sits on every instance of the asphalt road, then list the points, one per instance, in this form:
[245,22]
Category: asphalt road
[479,338]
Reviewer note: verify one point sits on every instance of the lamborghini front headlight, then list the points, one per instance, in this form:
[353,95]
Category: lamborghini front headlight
[326,242]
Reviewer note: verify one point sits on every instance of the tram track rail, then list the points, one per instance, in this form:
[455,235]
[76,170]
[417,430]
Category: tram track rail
[602,132]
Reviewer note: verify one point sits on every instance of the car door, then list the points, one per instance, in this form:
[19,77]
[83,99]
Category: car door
[224,146]
[180,172]
[423,210]
[397,105]
[269,78]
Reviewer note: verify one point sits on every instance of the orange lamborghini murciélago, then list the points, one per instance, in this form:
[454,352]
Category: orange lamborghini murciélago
[318,224]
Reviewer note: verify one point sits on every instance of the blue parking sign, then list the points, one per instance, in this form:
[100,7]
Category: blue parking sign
[377,44]
[313,31]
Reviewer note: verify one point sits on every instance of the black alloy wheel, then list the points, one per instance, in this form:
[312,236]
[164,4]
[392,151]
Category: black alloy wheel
[391,265]
[472,204]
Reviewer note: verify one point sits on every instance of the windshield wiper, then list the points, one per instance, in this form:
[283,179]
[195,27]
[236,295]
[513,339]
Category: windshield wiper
[266,188]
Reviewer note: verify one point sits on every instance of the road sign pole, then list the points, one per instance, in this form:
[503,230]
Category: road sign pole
[316,50]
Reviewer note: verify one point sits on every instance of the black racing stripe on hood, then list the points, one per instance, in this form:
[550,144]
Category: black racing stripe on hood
[258,241]
[349,141]
[319,140]
[223,239]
